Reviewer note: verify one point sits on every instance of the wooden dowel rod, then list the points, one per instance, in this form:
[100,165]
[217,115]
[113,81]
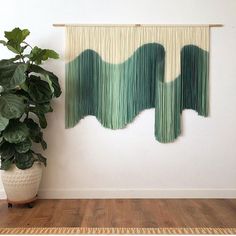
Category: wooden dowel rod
[216,25]
[87,25]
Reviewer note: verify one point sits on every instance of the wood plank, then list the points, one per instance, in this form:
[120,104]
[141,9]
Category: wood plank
[122,213]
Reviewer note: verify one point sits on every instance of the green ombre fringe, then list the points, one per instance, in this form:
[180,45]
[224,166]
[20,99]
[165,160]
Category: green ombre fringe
[117,93]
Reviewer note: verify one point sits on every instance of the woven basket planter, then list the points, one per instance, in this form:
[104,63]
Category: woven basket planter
[22,185]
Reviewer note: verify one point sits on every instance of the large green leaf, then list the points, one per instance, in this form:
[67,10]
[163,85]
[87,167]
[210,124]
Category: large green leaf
[24,146]
[12,74]
[40,110]
[15,38]
[24,160]
[7,150]
[23,92]
[3,42]
[3,122]
[14,47]
[6,164]
[38,55]
[42,120]
[33,127]
[11,106]
[47,79]
[35,132]
[17,34]
[43,144]
[53,78]
[41,158]
[55,84]
[39,90]
[16,132]
[5,62]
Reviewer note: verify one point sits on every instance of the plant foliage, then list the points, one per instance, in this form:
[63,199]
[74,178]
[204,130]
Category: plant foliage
[26,91]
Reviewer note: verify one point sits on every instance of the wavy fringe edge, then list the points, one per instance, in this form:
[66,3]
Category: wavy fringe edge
[86,230]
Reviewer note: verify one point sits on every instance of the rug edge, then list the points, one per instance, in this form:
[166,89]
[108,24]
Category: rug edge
[94,230]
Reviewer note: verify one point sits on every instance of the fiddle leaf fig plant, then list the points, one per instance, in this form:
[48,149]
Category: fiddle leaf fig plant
[26,91]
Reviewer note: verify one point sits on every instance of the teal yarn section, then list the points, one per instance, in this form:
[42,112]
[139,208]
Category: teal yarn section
[114,93]
[194,76]
[187,91]
[117,93]
[168,110]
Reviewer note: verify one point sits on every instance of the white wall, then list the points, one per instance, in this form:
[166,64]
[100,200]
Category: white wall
[91,161]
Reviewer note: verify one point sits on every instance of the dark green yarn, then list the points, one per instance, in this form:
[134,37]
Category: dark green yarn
[194,76]
[117,93]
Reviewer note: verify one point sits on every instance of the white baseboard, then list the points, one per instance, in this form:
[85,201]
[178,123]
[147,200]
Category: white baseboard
[137,193]
[132,193]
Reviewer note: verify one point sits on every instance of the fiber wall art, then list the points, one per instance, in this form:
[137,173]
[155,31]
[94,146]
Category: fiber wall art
[115,72]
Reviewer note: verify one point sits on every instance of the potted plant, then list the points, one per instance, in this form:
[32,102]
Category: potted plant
[26,91]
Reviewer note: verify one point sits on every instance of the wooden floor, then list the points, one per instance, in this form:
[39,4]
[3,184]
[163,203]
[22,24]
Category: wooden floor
[122,213]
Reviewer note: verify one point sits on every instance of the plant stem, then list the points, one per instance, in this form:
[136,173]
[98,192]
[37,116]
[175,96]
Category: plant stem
[27,44]
[22,58]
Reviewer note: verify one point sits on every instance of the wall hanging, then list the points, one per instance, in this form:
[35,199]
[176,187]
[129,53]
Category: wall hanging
[114,72]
